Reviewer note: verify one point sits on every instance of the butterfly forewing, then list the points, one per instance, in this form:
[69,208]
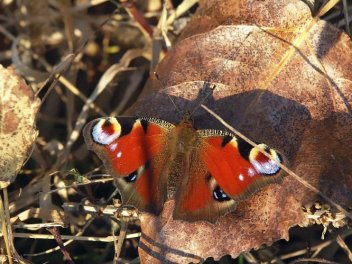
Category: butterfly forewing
[135,152]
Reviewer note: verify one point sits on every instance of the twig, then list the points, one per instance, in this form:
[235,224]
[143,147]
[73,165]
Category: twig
[73,89]
[286,169]
[316,249]
[134,13]
[347,21]
[4,231]
[65,243]
[104,81]
[318,260]
[121,212]
[180,10]
[345,248]
[38,225]
[74,238]
[57,236]
[120,240]
[81,184]
[14,255]
[304,251]
[297,42]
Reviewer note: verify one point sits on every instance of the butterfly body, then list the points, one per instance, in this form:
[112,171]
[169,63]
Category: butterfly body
[206,171]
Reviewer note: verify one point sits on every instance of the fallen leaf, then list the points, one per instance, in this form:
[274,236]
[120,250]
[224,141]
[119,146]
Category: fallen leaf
[296,99]
[18,108]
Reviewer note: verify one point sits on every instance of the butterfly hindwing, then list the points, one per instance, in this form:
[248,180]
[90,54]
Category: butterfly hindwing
[239,168]
[135,153]
[223,170]
[195,197]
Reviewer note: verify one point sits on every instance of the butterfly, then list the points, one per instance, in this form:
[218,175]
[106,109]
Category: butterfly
[207,172]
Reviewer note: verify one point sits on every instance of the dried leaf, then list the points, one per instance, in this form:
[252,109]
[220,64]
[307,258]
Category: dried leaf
[300,106]
[18,108]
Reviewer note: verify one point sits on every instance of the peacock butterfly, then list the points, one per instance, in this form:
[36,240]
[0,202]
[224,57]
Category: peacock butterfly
[206,171]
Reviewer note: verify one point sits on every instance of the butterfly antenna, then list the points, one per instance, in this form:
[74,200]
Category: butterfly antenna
[172,101]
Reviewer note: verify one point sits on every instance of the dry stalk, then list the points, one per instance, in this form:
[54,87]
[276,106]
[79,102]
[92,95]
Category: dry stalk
[286,169]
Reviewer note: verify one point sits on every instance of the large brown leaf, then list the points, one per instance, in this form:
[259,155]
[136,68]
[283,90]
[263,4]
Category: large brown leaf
[18,108]
[301,108]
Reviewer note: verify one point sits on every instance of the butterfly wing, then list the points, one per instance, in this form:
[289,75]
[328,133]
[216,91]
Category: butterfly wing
[135,153]
[222,171]
[194,198]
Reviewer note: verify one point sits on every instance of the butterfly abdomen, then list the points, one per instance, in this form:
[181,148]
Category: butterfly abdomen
[183,140]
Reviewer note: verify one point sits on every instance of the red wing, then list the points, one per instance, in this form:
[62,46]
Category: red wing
[135,152]
[194,198]
[238,168]
[226,170]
